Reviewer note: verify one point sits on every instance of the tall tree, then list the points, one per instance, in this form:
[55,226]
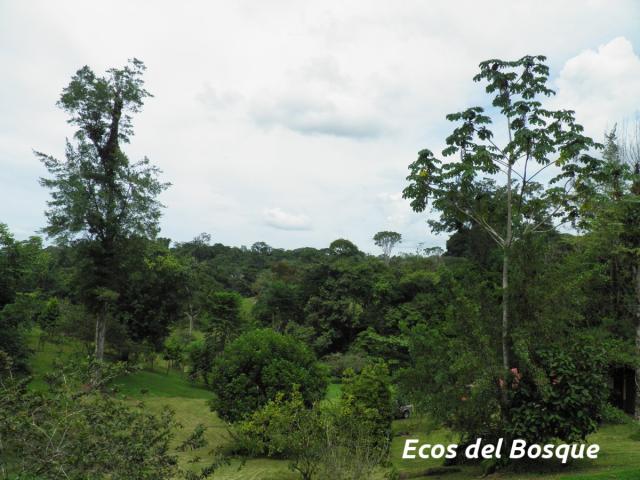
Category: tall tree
[535,139]
[630,153]
[98,196]
[613,219]
[225,319]
[386,241]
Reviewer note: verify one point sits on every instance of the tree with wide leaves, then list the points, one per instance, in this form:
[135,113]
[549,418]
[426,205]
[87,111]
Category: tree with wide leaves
[538,143]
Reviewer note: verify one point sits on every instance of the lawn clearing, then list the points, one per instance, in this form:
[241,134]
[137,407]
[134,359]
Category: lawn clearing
[619,458]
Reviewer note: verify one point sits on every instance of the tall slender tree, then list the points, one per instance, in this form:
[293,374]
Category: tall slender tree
[98,197]
[509,167]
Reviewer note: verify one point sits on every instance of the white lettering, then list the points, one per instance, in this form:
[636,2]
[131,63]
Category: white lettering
[592,451]
[548,452]
[473,449]
[487,450]
[517,449]
[408,448]
[422,452]
[562,452]
[437,451]
[452,451]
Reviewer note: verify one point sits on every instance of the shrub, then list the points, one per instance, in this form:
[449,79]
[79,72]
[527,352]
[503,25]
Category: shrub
[258,365]
[286,428]
[339,363]
[614,416]
[563,399]
[76,431]
[368,398]
[555,391]
[329,440]
[200,355]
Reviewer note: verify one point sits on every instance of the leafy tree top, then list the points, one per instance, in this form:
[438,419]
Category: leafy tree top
[101,107]
[536,138]
[387,240]
[96,190]
[344,248]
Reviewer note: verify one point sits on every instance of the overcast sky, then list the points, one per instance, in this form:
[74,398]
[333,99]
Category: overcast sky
[293,122]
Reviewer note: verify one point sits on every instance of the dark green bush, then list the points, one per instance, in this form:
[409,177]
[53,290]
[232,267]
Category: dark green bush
[258,365]
[563,399]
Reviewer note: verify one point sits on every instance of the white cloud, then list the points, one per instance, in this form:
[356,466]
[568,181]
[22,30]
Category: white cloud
[315,115]
[278,218]
[213,99]
[317,107]
[602,86]
[397,210]
[319,98]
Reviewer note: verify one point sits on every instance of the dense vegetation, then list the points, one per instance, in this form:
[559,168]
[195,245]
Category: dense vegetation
[512,331]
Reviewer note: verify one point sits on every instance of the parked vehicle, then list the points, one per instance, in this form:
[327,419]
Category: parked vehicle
[404,411]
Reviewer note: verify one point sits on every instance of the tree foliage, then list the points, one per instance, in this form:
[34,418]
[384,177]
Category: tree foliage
[537,138]
[256,366]
[96,193]
[386,240]
[73,430]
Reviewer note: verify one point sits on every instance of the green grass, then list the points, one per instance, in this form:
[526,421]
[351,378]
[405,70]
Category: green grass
[334,391]
[44,357]
[159,383]
[192,411]
[619,458]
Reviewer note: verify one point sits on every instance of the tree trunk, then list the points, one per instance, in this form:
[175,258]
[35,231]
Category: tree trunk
[505,275]
[637,282]
[190,316]
[505,311]
[101,333]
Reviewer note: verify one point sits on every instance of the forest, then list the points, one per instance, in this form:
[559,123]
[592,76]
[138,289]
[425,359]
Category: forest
[127,355]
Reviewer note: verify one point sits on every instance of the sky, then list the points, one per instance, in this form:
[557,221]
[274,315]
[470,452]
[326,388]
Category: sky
[293,122]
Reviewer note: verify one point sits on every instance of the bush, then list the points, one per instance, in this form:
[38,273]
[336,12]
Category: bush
[329,440]
[554,391]
[75,431]
[258,365]
[368,399]
[200,355]
[563,398]
[339,363]
[614,416]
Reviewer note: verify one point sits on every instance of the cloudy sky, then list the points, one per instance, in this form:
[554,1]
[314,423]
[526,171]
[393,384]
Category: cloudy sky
[288,121]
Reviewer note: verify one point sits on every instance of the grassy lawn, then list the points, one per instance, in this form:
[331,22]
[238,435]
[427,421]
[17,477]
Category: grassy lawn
[334,390]
[192,411]
[44,357]
[146,384]
[619,458]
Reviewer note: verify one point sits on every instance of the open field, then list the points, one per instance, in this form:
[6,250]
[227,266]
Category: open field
[619,458]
